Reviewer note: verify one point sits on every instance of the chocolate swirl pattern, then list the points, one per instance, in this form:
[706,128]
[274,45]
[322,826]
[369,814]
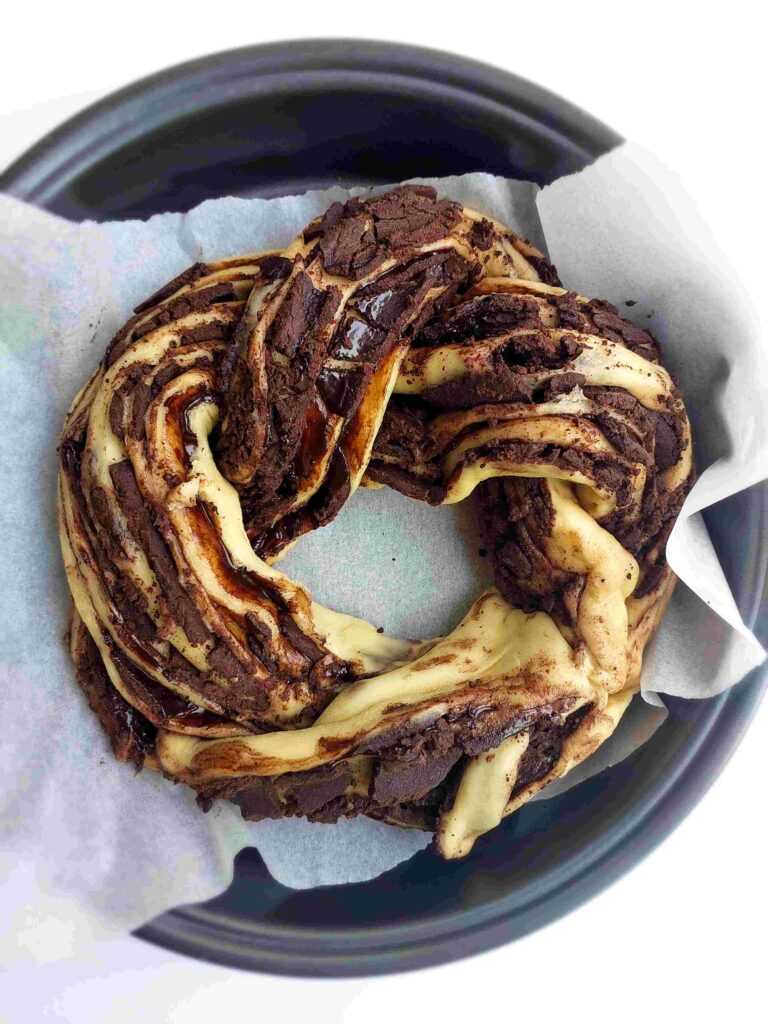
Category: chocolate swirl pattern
[404,341]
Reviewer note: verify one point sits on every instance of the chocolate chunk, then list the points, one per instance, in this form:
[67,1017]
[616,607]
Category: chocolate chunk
[142,396]
[320,226]
[131,604]
[622,401]
[547,271]
[190,302]
[121,342]
[535,351]
[274,268]
[304,308]
[130,380]
[244,432]
[334,492]
[347,240]
[380,309]
[485,316]
[652,575]
[304,644]
[386,308]
[188,276]
[515,518]
[356,237]
[434,268]
[295,793]
[357,339]
[562,384]
[259,800]
[609,324]
[545,744]
[132,620]
[116,415]
[398,781]
[223,661]
[319,510]
[299,338]
[623,439]
[131,736]
[486,727]
[412,215]
[214,331]
[404,743]
[342,390]
[259,639]
[482,234]
[608,472]
[159,704]
[481,389]
[409,484]
[307,792]
[148,536]
[667,448]
[404,431]
[571,312]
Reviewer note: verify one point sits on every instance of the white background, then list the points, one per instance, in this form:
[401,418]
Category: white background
[683,936]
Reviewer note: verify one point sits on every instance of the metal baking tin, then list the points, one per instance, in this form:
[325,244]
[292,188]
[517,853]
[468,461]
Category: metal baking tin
[270,120]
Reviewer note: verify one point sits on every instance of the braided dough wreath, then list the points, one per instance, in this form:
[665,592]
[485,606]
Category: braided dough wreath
[403,341]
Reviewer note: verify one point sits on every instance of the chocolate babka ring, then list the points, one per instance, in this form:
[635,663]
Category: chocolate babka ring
[400,340]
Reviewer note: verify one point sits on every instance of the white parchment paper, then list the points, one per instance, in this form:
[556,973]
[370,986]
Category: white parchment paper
[85,848]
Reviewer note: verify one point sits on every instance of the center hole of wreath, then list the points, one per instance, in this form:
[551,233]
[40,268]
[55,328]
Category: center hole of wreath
[401,564]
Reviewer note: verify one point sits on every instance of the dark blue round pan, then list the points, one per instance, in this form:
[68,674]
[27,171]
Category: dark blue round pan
[269,120]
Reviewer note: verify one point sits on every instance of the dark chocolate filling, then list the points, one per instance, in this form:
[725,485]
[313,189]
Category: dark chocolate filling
[131,736]
[412,780]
